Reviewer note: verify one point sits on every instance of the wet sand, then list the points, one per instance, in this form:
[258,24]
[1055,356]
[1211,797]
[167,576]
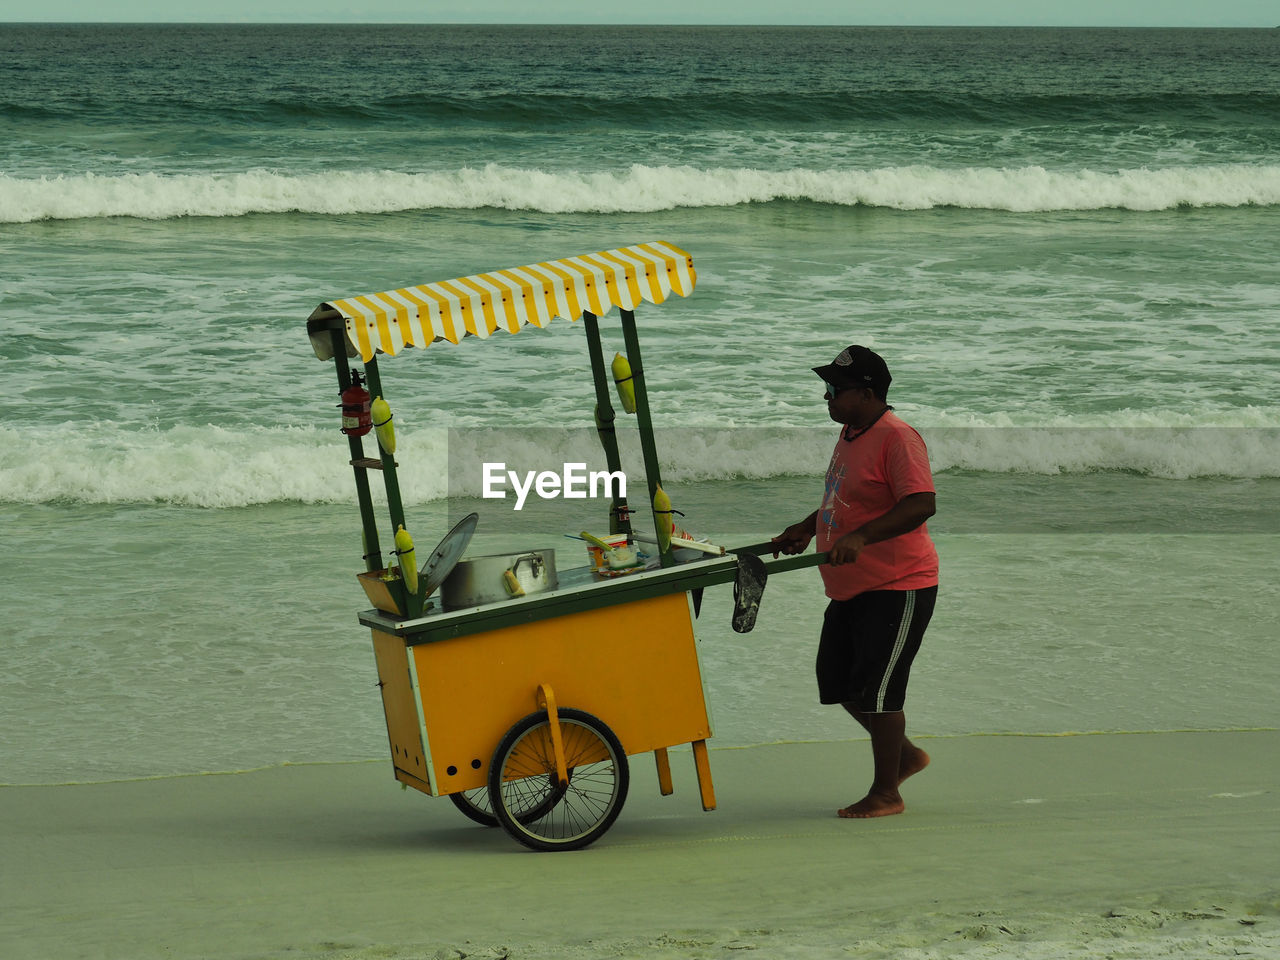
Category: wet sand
[1105,845]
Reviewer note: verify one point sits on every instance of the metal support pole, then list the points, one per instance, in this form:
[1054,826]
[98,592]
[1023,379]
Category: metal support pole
[369,523]
[394,505]
[619,516]
[647,444]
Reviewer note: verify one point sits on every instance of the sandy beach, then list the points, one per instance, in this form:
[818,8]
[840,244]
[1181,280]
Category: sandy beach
[1137,845]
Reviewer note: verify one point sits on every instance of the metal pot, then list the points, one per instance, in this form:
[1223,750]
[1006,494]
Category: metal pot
[480,580]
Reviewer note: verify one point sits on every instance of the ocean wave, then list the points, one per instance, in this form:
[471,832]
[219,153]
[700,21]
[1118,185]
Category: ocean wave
[217,467]
[701,108]
[206,466]
[638,189]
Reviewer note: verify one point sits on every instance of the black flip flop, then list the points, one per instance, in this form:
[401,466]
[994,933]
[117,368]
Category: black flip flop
[748,588]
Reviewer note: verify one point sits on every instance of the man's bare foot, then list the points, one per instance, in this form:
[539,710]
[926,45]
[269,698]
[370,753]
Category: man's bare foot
[873,805]
[913,761]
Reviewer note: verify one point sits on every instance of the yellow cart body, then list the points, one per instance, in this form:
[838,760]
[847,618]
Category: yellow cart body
[450,699]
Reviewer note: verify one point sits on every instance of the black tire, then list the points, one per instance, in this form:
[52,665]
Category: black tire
[474,805]
[532,807]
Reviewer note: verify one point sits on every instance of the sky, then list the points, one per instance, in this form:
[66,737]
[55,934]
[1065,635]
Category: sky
[1155,13]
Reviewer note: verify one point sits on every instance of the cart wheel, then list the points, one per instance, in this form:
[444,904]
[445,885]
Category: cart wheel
[474,805]
[522,781]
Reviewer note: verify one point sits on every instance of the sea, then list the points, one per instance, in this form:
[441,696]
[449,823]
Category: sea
[1063,241]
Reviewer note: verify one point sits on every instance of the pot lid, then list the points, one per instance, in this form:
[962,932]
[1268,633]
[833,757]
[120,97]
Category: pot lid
[447,554]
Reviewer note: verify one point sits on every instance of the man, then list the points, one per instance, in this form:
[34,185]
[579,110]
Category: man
[882,568]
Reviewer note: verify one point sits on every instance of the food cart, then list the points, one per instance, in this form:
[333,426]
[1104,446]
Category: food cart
[522,698]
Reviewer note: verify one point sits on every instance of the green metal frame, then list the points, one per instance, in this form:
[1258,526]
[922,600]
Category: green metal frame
[619,514]
[695,575]
[692,576]
[359,463]
[648,445]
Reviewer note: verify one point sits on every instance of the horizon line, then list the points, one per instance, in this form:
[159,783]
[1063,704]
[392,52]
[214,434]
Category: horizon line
[605,23]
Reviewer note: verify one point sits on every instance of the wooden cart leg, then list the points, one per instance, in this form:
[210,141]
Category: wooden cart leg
[547,700]
[664,771]
[703,765]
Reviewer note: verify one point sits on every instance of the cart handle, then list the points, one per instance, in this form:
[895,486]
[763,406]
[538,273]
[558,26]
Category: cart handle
[782,564]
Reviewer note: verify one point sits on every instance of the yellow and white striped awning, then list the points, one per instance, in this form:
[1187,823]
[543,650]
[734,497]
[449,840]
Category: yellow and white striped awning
[506,299]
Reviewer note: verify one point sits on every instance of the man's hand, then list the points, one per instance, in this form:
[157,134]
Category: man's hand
[795,538]
[846,549]
[906,515]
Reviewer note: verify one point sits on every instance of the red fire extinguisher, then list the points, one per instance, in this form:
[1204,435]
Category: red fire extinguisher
[356,419]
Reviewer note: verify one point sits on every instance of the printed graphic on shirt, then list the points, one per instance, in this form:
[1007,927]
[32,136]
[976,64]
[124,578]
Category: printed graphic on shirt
[831,495]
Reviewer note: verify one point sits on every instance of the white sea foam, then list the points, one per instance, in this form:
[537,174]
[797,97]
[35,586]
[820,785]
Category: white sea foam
[1244,443]
[204,466]
[216,467]
[638,189]
[1157,935]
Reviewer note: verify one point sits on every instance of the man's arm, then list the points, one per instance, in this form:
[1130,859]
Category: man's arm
[797,536]
[907,514]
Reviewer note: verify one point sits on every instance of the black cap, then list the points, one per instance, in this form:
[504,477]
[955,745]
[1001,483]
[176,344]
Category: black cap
[857,367]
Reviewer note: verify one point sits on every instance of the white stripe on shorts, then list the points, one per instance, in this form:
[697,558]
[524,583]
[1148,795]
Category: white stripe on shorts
[904,628]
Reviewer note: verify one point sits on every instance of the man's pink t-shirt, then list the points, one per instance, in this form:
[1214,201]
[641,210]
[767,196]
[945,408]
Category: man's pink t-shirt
[866,479]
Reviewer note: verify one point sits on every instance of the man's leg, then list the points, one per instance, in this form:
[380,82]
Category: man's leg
[911,760]
[893,625]
[895,758]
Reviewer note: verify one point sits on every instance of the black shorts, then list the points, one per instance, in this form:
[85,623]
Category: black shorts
[868,643]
